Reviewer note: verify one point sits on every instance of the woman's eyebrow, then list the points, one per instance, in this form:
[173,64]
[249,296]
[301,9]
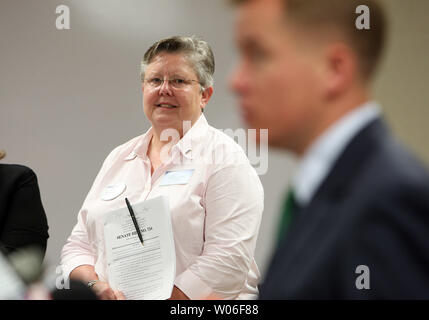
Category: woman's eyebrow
[169,74]
[178,75]
[153,74]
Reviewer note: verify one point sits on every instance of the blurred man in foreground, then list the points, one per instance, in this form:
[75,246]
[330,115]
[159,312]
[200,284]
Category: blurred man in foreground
[356,219]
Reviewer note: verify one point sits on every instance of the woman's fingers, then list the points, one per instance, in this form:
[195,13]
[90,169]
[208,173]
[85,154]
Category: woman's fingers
[119,295]
[103,291]
[109,294]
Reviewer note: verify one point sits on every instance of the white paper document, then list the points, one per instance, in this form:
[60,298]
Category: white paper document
[141,272]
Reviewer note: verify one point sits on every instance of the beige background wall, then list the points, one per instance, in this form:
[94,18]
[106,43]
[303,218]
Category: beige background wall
[403,82]
[69,97]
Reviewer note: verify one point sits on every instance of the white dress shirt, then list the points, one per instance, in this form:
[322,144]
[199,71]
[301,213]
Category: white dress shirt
[215,216]
[317,162]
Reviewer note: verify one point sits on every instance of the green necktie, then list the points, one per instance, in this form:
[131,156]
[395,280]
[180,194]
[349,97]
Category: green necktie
[289,207]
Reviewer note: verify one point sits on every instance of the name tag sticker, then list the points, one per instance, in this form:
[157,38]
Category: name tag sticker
[112,191]
[176,177]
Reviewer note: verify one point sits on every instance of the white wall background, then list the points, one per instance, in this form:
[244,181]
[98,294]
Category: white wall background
[69,97]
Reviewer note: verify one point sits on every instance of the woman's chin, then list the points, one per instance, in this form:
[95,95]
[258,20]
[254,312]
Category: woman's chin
[165,120]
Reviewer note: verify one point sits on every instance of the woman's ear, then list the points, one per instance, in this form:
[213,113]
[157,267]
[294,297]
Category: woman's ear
[205,96]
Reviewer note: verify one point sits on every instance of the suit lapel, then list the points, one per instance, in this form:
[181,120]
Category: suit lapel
[341,177]
[308,229]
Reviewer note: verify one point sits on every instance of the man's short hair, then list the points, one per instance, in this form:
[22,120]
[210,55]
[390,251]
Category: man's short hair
[341,15]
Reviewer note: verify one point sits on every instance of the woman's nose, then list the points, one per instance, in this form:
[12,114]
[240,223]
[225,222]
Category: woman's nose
[165,88]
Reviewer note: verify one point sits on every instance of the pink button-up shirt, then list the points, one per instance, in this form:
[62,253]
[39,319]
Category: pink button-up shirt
[215,216]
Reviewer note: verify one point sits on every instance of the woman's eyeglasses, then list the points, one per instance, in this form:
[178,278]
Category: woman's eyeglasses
[175,83]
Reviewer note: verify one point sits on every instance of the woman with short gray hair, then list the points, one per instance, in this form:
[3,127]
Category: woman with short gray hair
[197,51]
[215,212]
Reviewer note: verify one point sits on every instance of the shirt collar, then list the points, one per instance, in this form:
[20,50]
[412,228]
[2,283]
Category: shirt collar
[140,148]
[316,163]
[191,138]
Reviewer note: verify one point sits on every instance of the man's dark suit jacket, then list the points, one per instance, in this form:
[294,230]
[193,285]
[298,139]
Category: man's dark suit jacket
[22,217]
[373,210]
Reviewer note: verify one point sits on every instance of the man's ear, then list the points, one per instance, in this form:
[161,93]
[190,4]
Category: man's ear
[342,69]
[205,96]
